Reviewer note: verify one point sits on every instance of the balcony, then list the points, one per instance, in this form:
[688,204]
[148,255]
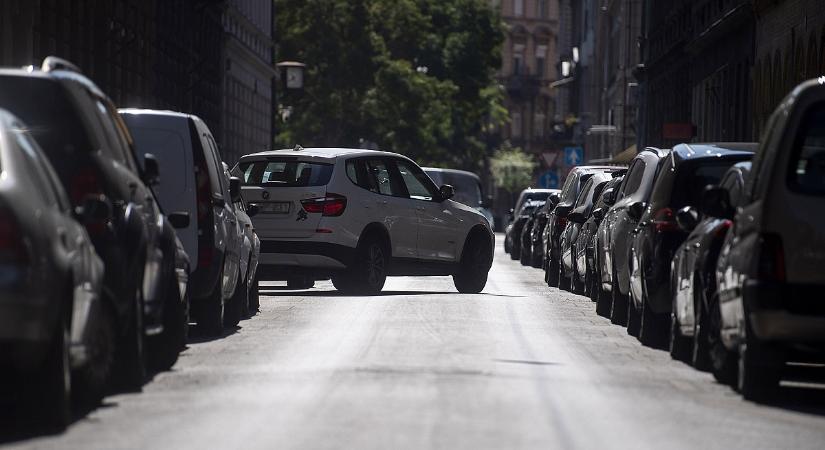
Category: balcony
[522,86]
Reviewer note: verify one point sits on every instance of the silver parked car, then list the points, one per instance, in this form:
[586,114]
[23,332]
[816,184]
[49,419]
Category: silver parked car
[53,325]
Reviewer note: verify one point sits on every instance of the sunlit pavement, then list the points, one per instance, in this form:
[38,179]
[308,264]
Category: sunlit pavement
[518,366]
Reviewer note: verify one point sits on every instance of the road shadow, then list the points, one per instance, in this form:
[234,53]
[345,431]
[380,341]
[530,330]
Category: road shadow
[18,422]
[197,336]
[284,292]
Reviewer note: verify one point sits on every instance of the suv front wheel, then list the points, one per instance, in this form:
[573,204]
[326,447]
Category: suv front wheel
[475,264]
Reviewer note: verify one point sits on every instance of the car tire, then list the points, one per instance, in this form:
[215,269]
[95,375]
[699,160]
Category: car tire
[210,311]
[722,361]
[552,273]
[759,368]
[130,367]
[634,317]
[474,266]
[700,353]
[342,284]
[369,270]
[679,345]
[55,383]
[515,254]
[506,244]
[254,296]
[234,307]
[619,303]
[300,283]
[653,328]
[524,258]
[163,349]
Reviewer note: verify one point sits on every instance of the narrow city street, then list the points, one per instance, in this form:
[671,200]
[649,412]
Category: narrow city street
[518,366]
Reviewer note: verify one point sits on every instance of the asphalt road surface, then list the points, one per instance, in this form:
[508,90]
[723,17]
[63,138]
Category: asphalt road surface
[518,366]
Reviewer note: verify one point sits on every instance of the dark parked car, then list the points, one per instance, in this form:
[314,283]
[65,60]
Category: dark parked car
[583,247]
[526,195]
[682,179]
[770,277]
[88,144]
[527,233]
[619,223]
[693,278]
[52,319]
[568,272]
[515,229]
[536,253]
[557,220]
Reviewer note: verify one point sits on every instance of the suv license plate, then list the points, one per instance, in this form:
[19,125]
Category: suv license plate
[276,208]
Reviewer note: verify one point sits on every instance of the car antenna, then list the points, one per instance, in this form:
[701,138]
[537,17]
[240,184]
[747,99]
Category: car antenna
[297,148]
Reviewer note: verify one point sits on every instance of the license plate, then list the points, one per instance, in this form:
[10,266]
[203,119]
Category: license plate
[275,208]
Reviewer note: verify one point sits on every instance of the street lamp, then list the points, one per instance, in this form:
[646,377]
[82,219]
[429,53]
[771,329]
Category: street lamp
[293,73]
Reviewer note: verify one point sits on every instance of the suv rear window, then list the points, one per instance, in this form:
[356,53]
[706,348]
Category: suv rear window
[285,173]
[807,165]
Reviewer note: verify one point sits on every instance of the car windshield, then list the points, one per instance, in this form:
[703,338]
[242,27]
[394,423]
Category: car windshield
[467,188]
[283,173]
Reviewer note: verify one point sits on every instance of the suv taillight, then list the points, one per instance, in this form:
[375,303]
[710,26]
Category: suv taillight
[332,205]
[82,185]
[665,220]
[771,258]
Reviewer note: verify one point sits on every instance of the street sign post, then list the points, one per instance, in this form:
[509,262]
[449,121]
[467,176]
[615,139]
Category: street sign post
[549,180]
[573,156]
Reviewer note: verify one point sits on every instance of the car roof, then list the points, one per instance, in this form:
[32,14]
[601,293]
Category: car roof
[693,151]
[452,171]
[330,153]
[529,190]
[54,75]
[154,112]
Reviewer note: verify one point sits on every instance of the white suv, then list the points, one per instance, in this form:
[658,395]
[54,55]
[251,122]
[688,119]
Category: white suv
[357,216]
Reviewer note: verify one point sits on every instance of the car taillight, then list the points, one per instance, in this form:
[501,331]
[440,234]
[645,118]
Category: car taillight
[332,205]
[723,228]
[12,247]
[84,184]
[771,258]
[665,220]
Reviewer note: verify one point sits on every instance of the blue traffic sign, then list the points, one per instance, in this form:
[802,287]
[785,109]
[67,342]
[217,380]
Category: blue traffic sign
[549,180]
[573,156]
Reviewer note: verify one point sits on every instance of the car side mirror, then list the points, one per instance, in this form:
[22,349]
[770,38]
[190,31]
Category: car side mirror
[511,214]
[94,208]
[636,210]
[151,169]
[563,210]
[576,217]
[716,203]
[554,197]
[235,189]
[608,197]
[687,218]
[598,213]
[446,192]
[252,209]
[179,219]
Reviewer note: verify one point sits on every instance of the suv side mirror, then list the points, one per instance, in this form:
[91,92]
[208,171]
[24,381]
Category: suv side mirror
[235,189]
[598,213]
[563,210]
[555,198]
[94,208]
[151,169]
[607,196]
[446,192]
[635,210]
[687,218]
[252,209]
[716,203]
[179,219]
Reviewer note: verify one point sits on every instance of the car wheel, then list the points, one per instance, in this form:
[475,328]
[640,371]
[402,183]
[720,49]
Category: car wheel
[254,296]
[723,361]
[234,307]
[618,307]
[515,254]
[653,328]
[524,258]
[633,316]
[130,367]
[474,267]
[91,380]
[210,311]
[369,271]
[700,353]
[760,366]
[342,283]
[506,245]
[552,273]
[163,349]
[55,384]
[680,344]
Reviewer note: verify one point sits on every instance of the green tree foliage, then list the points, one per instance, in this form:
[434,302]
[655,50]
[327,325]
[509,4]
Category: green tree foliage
[413,76]
[512,169]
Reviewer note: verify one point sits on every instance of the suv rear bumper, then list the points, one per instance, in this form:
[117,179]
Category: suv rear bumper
[785,311]
[308,254]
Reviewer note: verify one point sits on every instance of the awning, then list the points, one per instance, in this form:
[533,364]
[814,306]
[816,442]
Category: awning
[625,156]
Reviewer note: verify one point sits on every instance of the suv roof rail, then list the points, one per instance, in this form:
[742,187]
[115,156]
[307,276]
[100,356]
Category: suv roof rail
[52,63]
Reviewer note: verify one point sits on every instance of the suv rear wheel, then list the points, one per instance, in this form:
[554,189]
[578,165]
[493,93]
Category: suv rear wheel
[369,269]
[472,273]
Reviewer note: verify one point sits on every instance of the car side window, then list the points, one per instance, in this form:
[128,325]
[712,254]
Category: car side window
[634,178]
[419,185]
[35,168]
[378,177]
[806,168]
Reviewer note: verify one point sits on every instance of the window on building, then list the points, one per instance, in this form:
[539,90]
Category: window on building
[515,125]
[541,9]
[518,59]
[541,60]
[538,125]
[518,8]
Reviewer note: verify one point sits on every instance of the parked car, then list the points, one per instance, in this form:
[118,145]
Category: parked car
[526,247]
[357,216]
[620,222]
[514,231]
[586,255]
[572,275]
[238,304]
[685,173]
[193,181]
[601,238]
[536,254]
[557,221]
[467,187]
[245,213]
[89,146]
[769,274]
[53,323]
[693,277]
[526,195]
